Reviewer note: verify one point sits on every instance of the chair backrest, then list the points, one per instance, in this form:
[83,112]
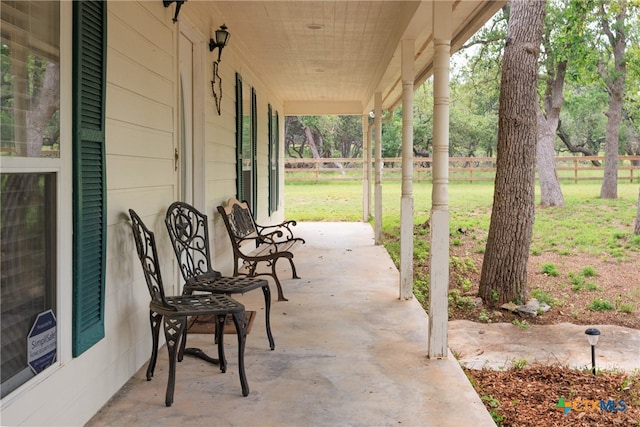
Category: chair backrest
[240,219]
[189,235]
[148,254]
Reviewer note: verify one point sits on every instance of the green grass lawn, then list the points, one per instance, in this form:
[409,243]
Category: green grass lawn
[586,224]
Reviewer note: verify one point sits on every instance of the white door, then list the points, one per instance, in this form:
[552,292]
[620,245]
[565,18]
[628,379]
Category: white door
[190,174]
[191,147]
[185,149]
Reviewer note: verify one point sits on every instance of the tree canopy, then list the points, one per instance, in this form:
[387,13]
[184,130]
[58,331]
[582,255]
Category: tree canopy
[574,34]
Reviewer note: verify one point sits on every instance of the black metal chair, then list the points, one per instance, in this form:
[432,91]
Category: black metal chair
[173,311]
[189,234]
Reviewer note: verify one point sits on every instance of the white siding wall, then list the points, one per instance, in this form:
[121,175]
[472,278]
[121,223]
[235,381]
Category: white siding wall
[141,134]
[221,141]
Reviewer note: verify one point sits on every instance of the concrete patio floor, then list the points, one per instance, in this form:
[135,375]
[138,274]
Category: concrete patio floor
[348,353]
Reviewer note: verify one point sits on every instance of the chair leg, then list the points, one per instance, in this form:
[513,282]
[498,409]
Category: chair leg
[241,323]
[173,330]
[183,344]
[275,278]
[155,319]
[267,314]
[219,334]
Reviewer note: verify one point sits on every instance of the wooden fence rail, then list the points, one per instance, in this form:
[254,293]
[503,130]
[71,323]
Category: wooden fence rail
[465,169]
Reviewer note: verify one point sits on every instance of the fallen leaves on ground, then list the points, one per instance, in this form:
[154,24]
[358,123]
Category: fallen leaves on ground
[529,396]
[557,396]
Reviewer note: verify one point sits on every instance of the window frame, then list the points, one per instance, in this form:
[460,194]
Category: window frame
[62,168]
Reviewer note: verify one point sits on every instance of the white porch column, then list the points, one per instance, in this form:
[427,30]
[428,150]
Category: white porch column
[377,109]
[366,168]
[406,201]
[439,262]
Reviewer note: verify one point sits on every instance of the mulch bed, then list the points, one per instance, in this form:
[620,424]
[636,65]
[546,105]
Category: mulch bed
[530,396]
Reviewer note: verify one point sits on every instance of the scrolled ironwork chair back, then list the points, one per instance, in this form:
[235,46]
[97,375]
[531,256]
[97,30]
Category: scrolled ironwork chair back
[189,235]
[241,223]
[148,254]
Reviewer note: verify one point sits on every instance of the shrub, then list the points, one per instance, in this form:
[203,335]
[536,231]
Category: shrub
[550,269]
[600,305]
[494,404]
[592,286]
[519,364]
[626,307]
[577,281]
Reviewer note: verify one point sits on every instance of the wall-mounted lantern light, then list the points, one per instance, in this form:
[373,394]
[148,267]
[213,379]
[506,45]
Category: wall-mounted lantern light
[221,40]
[178,3]
[216,87]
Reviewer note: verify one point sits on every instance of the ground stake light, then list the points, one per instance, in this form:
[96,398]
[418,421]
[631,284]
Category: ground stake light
[592,335]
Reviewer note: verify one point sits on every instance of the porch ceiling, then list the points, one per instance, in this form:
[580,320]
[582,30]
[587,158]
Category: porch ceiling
[330,57]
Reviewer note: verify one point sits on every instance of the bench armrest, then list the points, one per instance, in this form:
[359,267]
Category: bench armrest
[283,228]
[240,241]
[270,237]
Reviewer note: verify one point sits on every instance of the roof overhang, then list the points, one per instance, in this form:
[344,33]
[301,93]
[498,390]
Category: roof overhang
[331,57]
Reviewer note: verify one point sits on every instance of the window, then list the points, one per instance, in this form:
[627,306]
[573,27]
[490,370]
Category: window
[30,160]
[240,130]
[27,266]
[37,144]
[253,200]
[246,144]
[30,78]
[274,153]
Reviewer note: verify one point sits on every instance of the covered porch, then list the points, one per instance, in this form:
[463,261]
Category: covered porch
[348,352]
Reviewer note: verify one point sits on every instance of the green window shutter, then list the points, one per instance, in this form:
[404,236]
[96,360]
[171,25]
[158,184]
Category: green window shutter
[89,181]
[270,162]
[254,150]
[276,146]
[274,161]
[239,189]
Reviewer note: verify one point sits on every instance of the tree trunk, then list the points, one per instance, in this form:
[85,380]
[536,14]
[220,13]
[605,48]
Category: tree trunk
[636,229]
[46,104]
[550,192]
[504,271]
[615,86]
[609,189]
[312,143]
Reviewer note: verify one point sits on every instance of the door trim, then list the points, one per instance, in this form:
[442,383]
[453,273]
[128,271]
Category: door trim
[198,174]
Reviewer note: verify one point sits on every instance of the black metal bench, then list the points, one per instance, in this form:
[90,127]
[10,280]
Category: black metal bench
[254,244]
